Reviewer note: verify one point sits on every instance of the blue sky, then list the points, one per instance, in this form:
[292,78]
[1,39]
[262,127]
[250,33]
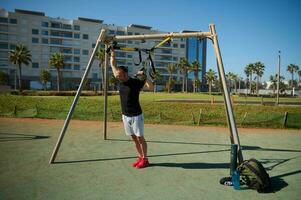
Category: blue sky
[248,31]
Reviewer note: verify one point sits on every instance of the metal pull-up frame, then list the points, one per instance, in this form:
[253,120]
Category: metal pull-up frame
[102,38]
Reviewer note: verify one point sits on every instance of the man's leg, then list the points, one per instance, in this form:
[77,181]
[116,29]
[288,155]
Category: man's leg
[143,146]
[138,146]
[144,161]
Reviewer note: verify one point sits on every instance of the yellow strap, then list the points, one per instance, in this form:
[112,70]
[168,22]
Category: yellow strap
[127,49]
[164,41]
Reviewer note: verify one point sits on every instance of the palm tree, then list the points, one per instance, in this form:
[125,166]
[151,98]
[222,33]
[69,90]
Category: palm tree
[210,77]
[45,77]
[57,61]
[196,68]
[21,55]
[100,56]
[232,77]
[157,77]
[171,68]
[184,67]
[258,69]
[250,68]
[247,78]
[273,80]
[292,69]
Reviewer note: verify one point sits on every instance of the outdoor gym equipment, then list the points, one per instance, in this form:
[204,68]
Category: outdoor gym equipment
[107,40]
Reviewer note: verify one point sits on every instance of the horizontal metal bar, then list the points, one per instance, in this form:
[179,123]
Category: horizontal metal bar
[164,35]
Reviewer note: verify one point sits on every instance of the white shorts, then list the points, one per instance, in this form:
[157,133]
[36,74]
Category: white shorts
[133,125]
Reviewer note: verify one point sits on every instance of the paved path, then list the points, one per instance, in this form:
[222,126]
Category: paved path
[187,162]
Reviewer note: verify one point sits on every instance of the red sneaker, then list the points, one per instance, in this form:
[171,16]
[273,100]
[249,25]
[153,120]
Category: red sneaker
[143,163]
[137,161]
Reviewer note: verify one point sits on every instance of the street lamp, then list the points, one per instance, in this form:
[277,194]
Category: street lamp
[278,78]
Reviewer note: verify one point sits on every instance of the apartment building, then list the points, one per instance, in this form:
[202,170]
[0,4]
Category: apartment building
[75,39]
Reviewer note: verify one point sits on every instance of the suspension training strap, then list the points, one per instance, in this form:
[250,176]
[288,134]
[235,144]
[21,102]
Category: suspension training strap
[168,39]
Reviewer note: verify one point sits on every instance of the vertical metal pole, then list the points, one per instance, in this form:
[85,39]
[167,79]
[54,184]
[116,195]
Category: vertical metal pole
[229,109]
[278,79]
[105,93]
[67,120]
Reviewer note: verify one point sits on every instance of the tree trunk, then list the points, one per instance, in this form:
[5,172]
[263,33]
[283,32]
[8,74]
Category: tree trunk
[210,87]
[20,80]
[183,83]
[250,84]
[257,83]
[186,81]
[235,86]
[58,80]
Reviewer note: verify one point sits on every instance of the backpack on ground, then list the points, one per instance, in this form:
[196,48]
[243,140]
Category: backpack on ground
[254,175]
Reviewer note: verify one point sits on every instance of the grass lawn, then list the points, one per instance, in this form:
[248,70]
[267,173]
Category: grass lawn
[91,108]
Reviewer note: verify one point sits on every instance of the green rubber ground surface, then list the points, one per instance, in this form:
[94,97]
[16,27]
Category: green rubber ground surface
[186,162]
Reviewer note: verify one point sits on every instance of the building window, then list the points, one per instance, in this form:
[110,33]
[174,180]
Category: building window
[76,35]
[130,33]
[182,45]
[3,28]
[130,42]
[93,45]
[45,24]
[76,51]
[111,32]
[85,36]
[35,31]
[45,41]
[44,32]
[120,32]
[175,45]
[76,27]
[130,56]
[76,59]
[3,20]
[55,25]
[85,52]
[94,76]
[67,66]
[35,65]
[35,40]
[13,21]
[12,46]
[67,51]
[137,33]
[76,67]
[67,26]
[3,36]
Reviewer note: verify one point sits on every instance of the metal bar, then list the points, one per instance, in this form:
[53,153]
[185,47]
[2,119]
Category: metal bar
[164,35]
[101,37]
[229,109]
[105,93]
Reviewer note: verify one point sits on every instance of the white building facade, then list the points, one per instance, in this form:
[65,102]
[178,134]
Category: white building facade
[75,40]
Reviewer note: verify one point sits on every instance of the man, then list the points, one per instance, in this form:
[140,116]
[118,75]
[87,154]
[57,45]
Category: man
[132,115]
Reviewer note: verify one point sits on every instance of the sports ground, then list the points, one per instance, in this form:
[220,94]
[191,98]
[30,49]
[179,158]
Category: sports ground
[186,162]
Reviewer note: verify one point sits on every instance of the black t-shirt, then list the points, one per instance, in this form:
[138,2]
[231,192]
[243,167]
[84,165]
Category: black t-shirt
[129,96]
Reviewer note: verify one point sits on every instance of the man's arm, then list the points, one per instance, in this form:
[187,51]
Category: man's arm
[148,84]
[113,63]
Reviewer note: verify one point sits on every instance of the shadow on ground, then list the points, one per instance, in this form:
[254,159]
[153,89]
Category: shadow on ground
[6,137]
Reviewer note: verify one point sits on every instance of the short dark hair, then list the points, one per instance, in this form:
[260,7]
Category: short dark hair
[123,68]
